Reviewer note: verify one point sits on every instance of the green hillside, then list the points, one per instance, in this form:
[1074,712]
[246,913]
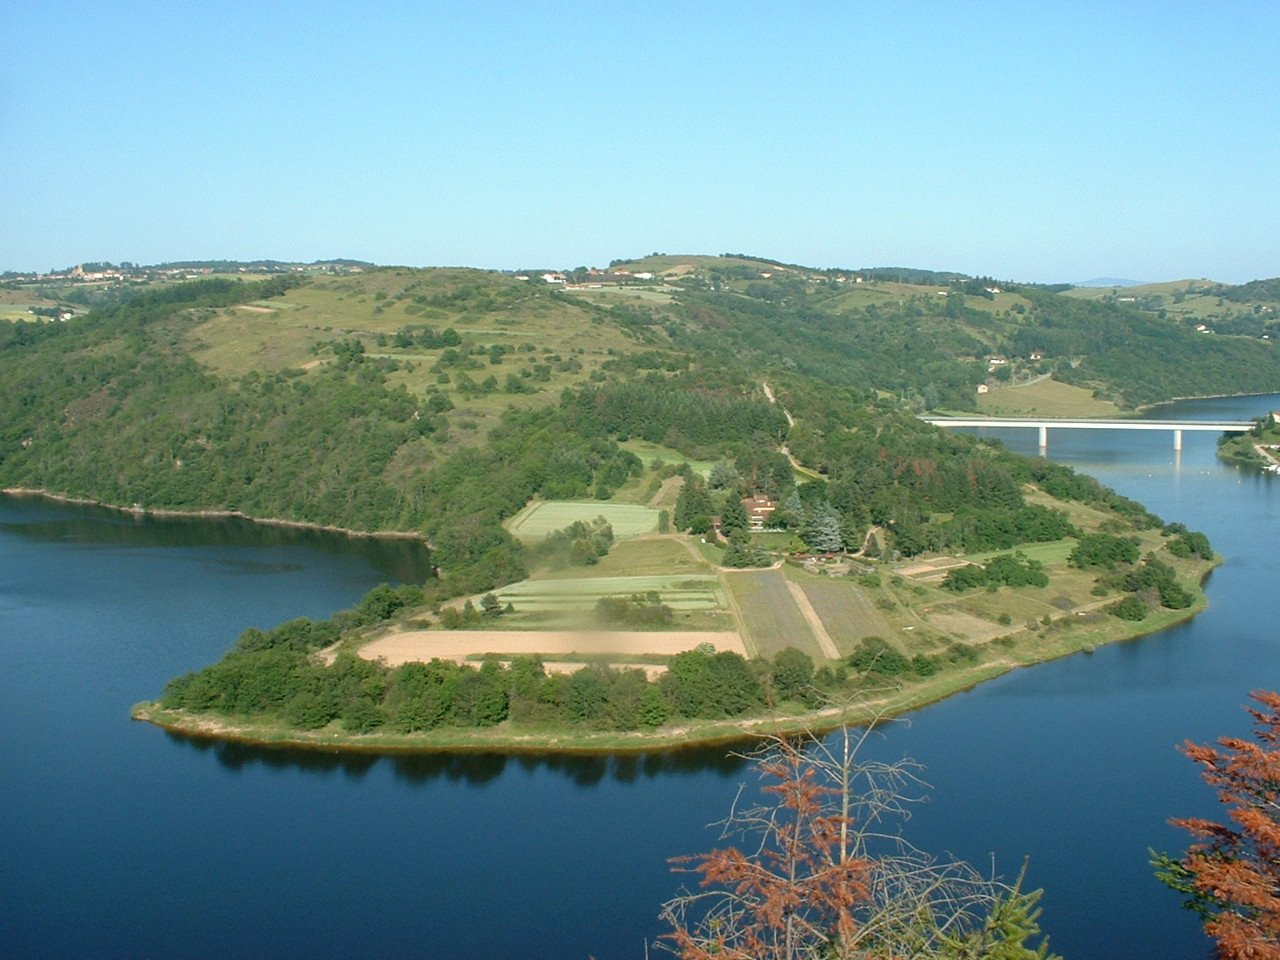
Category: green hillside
[441,401]
[1249,309]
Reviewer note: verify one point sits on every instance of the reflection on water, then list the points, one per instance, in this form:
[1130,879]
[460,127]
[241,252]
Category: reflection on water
[474,768]
[36,518]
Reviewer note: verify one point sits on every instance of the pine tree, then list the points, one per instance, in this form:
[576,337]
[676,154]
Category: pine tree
[821,530]
[733,517]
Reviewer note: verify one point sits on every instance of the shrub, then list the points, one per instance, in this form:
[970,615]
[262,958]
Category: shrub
[1103,550]
[1129,608]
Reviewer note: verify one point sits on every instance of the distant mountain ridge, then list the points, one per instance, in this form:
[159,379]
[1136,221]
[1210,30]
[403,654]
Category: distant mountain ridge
[1109,282]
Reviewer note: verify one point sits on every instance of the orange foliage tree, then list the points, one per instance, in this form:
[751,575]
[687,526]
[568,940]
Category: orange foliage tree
[825,872]
[1232,873]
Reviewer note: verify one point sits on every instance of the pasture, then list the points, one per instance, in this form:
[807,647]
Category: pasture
[649,452]
[1047,553]
[642,556]
[1045,398]
[544,517]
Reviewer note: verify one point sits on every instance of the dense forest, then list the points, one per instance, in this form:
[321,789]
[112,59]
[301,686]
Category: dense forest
[931,350]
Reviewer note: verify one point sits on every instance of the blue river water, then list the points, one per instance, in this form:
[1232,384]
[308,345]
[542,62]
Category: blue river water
[120,840]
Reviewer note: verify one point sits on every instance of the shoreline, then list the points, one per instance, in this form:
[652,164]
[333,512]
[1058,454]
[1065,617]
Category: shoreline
[1210,396]
[691,735]
[165,513]
[878,707]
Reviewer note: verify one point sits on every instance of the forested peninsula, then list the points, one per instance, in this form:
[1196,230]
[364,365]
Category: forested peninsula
[680,499]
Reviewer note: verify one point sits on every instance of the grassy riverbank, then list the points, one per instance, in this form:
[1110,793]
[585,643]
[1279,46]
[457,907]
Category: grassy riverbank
[1259,448]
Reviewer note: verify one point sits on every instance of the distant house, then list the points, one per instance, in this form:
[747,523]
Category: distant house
[759,510]
[983,388]
[553,277]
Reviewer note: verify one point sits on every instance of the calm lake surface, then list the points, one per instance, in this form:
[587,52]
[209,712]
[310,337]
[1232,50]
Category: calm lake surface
[120,840]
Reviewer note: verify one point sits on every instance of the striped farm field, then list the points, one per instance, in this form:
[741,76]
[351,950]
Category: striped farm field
[677,592]
[846,611]
[771,620]
[543,517]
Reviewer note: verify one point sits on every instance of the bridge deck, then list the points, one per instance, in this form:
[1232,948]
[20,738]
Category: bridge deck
[1099,423]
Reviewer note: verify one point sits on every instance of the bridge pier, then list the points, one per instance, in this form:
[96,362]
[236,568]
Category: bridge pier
[1042,425]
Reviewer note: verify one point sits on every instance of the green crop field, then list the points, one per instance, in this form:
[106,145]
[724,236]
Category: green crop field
[544,517]
[644,556]
[570,603]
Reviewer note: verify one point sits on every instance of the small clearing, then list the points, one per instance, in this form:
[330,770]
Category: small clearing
[965,626]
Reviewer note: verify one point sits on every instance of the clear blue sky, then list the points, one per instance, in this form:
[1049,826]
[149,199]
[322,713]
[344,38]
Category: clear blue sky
[1025,139]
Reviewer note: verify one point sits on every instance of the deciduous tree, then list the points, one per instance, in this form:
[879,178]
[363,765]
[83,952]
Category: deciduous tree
[823,873]
[1231,874]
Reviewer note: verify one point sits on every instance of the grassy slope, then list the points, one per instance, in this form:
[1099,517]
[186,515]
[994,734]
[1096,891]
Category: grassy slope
[1191,300]
[15,304]
[533,325]
[1045,398]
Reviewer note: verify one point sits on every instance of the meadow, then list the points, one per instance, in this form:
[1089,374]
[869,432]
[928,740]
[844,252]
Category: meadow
[649,452]
[1045,398]
[543,517]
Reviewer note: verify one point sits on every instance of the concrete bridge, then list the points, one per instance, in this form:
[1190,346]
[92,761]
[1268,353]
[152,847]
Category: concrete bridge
[1095,423]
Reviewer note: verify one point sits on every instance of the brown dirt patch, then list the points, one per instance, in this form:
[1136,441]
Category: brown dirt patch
[930,569]
[969,627]
[667,492]
[423,645]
